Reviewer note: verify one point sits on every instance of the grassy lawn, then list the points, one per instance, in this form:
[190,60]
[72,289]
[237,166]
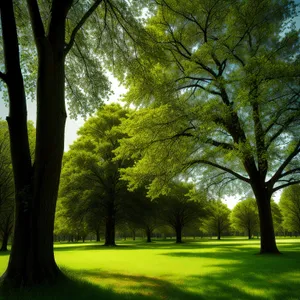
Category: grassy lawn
[205,269]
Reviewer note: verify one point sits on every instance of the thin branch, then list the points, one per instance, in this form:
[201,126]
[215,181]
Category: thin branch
[278,173]
[79,25]
[207,162]
[219,144]
[293,171]
[285,185]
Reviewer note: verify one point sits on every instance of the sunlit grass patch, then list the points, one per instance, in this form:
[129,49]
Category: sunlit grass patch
[205,269]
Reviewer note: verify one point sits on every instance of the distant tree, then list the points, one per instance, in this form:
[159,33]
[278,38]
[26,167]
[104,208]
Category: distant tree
[90,181]
[244,217]
[6,187]
[7,182]
[290,207]
[220,89]
[142,212]
[277,217]
[218,218]
[179,210]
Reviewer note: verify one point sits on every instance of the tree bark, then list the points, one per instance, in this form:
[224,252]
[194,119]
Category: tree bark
[249,233]
[36,187]
[267,235]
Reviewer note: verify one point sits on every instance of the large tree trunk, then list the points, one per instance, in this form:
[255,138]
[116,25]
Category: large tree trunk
[267,235]
[249,233]
[32,259]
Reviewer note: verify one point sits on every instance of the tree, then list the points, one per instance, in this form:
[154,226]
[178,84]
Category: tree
[178,210]
[61,45]
[6,182]
[142,212]
[222,97]
[277,217]
[217,221]
[290,207]
[6,187]
[91,182]
[244,217]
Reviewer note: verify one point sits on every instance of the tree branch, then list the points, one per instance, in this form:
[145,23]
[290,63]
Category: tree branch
[285,185]
[207,162]
[36,21]
[220,144]
[79,25]
[278,173]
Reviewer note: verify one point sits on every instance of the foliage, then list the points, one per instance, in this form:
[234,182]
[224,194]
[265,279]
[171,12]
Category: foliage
[244,217]
[221,93]
[290,208]
[218,218]
[179,210]
[90,183]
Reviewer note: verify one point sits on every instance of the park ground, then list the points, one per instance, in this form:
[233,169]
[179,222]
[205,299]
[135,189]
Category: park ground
[202,269]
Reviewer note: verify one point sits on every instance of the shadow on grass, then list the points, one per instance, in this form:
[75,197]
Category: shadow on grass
[144,287]
[238,275]
[78,285]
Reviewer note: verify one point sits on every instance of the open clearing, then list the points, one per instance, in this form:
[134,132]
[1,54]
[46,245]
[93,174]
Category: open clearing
[205,269]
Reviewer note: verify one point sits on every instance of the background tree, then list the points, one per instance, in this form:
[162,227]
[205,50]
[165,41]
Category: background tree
[290,207]
[142,212]
[178,210]
[222,97]
[244,217]
[6,187]
[218,218]
[6,182]
[277,217]
[91,177]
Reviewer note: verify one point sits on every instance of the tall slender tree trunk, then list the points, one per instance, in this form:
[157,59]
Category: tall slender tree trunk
[97,235]
[219,230]
[178,231]
[110,225]
[36,187]
[133,234]
[148,233]
[249,233]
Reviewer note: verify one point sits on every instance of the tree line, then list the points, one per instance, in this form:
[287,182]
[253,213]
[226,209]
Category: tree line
[94,199]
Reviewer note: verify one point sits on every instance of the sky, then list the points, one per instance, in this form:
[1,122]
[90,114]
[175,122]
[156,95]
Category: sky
[72,126]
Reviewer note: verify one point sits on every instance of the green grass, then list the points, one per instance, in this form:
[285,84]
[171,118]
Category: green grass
[206,269]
